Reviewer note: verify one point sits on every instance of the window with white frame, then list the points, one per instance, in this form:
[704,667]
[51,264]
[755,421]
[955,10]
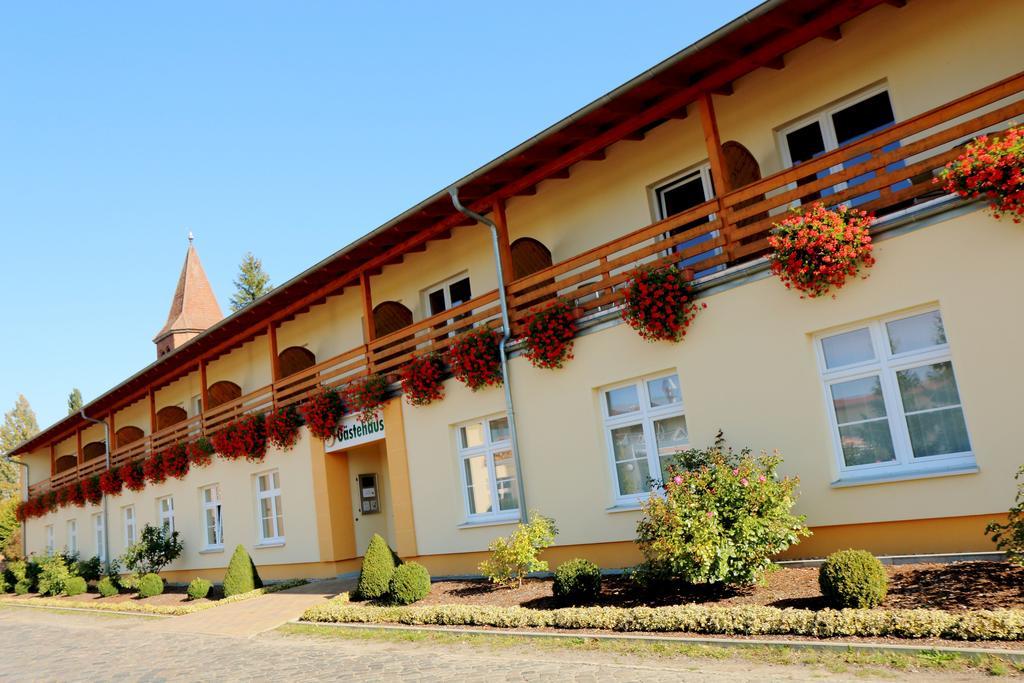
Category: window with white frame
[448,294]
[99,534]
[645,425]
[165,508]
[892,396]
[488,470]
[49,539]
[212,519]
[268,502]
[128,514]
[72,543]
[681,193]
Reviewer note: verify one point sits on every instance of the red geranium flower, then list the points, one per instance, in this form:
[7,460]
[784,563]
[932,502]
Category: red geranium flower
[133,476]
[200,452]
[475,358]
[549,335]
[283,427]
[110,482]
[245,437]
[659,304]
[367,396]
[991,168]
[91,491]
[322,413]
[422,379]
[175,461]
[153,468]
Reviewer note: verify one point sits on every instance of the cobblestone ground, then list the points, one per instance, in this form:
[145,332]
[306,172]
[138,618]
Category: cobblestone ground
[62,646]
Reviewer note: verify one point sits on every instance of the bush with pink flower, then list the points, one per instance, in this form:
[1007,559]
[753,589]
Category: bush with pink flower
[718,518]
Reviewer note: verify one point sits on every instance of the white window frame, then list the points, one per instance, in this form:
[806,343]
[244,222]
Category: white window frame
[274,495]
[701,170]
[445,288]
[217,506]
[488,448]
[885,365]
[50,544]
[131,525]
[645,416]
[72,540]
[99,534]
[166,517]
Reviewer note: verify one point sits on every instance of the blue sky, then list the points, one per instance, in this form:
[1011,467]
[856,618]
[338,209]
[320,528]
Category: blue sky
[285,129]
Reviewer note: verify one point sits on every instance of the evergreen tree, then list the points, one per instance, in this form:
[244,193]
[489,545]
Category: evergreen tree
[252,283]
[74,401]
[19,424]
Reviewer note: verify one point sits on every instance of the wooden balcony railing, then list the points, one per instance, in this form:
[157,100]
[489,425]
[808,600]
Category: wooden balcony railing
[887,171]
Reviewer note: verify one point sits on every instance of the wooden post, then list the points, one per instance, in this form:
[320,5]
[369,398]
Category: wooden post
[719,167]
[53,459]
[369,328]
[152,410]
[112,446]
[504,246]
[275,370]
[202,393]
[78,437]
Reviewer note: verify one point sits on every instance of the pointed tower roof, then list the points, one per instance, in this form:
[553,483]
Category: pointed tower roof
[193,309]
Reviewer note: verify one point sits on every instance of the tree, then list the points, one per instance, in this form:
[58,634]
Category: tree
[19,425]
[155,549]
[252,283]
[74,401]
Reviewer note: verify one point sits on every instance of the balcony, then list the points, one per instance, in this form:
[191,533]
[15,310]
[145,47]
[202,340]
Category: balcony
[889,172]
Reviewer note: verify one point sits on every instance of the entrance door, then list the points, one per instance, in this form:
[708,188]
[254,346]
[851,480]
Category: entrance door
[371,511]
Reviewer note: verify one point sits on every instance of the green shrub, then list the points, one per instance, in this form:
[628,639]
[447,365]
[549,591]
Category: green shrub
[241,576]
[409,583]
[4,586]
[378,567]
[198,589]
[75,585]
[23,587]
[719,517]
[150,585]
[853,578]
[90,569]
[10,529]
[106,587]
[53,575]
[1009,537]
[22,572]
[577,582]
[514,557]
[155,549]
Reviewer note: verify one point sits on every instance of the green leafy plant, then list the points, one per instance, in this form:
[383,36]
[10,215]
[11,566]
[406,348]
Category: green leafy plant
[1009,537]
[577,582]
[150,585]
[241,576]
[107,587]
[155,549]
[514,557]
[198,588]
[853,578]
[719,517]
[409,583]
[378,567]
[75,585]
[53,575]
[90,569]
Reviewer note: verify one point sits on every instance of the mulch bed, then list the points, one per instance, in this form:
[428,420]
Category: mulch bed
[172,596]
[958,586]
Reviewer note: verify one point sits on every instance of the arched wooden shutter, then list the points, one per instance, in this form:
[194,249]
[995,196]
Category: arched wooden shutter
[743,170]
[294,359]
[127,435]
[390,316]
[221,392]
[170,415]
[93,450]
[530,256]
[65,463]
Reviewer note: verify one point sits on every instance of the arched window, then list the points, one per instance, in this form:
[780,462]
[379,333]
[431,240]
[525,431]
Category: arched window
[529,256]
[93,450]
[127,435]
[170,415]
[221,392]
[294,359]
[743,170]
[65,463]
[390,316]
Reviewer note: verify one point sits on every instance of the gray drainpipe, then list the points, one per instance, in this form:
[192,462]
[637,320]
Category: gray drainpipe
[24,524]
[524,516]
[106,520]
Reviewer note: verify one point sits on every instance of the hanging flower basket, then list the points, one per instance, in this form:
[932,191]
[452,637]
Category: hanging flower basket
[282,427]
[475,358]
[549,335]
[176,461]
[91,491]
[993,168]
[64,496]
[367,396]
[423,379]
[659,304]
[200,452]
[816,250]
[110,482]
[49,502]
[322,413]
[133,476]
[245,437]
[75,494]
[153,468]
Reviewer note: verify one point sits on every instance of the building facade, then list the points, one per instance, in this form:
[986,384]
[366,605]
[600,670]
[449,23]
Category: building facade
[690,163]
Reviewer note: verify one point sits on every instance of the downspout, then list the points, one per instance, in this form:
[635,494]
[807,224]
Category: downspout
[506,328]
[106,520]
[24,523]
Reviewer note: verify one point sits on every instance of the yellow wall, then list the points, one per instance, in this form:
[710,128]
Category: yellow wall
[248,366]
[327,330]
[134,415]
[180,392]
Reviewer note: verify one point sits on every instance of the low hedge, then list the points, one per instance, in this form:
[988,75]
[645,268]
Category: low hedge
[744,620]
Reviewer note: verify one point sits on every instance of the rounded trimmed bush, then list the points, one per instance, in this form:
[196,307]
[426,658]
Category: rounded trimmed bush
[853,578]
[76,585]
[150,585]
[378,567]
[577,581]
[198,589]
[409,583]
[241,576]
[106,587]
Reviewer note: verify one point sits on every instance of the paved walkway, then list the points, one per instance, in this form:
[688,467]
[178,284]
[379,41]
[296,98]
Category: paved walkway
[248,618]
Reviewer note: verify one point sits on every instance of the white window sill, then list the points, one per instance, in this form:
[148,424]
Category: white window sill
[212,549]
[624,506]
[500,521]
[905,475]
[270,544]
